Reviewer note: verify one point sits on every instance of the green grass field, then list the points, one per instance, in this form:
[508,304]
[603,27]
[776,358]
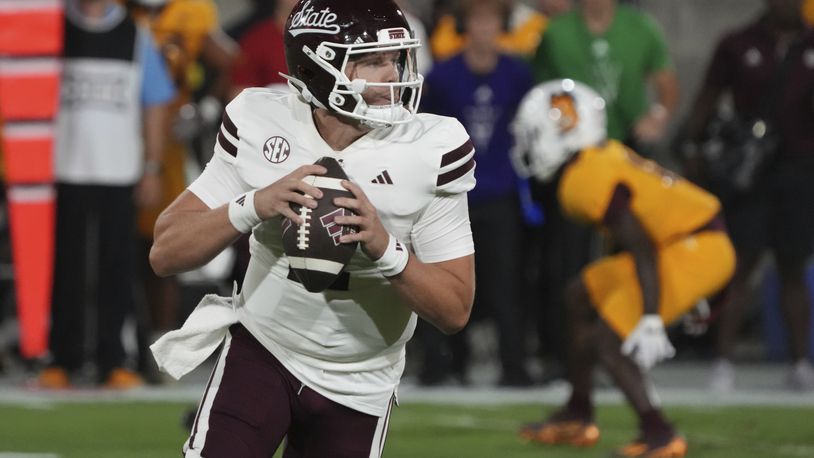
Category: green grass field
[122,430]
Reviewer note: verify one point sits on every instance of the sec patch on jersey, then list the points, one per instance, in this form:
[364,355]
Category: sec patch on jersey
[315,254]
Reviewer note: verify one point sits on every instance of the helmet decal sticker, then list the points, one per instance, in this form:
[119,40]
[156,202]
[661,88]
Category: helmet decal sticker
[307,20]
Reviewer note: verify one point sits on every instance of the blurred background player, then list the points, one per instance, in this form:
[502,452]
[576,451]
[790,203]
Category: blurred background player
[674,252]
[767,68]
[482,88]
[111,133]
[188,35]
[621,53]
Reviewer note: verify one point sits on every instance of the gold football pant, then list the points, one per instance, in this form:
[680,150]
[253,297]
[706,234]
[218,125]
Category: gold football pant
[690,269]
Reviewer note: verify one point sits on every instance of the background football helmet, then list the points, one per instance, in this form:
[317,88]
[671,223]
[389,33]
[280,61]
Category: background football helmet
[321,37]
[555,120]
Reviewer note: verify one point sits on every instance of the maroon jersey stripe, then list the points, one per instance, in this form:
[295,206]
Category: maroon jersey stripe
[453,175]
[227,145]
[229,125]
[457,154]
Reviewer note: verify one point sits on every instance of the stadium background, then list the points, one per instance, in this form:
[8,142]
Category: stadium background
[758,420]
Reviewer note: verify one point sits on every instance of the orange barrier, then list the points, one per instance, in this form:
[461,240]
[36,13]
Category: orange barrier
[30,27]
[31,220]
[27,154]
[31,33]
[29,89]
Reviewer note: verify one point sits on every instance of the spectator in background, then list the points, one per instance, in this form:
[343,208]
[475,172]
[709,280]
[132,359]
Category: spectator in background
[482,87]
[768,68]
[257,12]
[808,12]
[619,52]
[262,55]
[114,85]
[521,32]
[423,55]
[553,8]
[187,31]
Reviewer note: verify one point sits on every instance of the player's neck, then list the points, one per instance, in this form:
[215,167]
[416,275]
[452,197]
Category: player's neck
[336,131]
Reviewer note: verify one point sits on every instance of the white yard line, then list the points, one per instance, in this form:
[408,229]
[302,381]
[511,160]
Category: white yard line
[552,394]
[27,455]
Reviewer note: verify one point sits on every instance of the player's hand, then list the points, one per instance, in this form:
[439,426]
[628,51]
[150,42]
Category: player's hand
[148,191]
[276,198]
[370,231]
[648,343]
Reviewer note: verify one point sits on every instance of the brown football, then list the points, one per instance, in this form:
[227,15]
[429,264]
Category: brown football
[315,255]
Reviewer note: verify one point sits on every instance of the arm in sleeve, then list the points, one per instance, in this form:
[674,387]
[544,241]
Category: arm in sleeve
[439,280]
[658,58]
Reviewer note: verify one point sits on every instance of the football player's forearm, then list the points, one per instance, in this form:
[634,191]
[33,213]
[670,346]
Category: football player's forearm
[633,238]
[647,273]
[185,240]
[437,295]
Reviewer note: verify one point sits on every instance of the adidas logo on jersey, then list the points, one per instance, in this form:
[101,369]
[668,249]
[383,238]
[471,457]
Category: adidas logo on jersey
[383,178]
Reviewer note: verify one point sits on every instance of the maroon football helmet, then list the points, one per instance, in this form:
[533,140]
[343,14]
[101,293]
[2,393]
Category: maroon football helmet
[322,36]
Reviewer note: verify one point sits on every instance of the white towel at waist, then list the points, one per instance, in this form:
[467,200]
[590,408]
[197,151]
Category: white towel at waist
[178,352]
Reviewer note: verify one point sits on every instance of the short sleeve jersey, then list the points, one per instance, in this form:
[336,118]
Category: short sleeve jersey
[346,345]
[589,182]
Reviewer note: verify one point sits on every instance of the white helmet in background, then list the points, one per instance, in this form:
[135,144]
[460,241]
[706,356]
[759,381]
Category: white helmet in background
[556,119]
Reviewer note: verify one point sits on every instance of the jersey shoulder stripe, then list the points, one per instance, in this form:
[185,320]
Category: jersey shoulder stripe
[227,145]
[229,125]
[457,154]
[448,177]
[228,138]
[448,152]
[456,171]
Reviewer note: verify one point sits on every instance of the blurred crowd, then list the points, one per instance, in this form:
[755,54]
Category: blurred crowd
[124,151]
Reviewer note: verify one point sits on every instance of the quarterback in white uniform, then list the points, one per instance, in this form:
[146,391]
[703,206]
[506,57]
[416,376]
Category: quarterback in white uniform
[298,364]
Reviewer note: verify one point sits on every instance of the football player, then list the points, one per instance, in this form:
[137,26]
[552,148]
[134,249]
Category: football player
[322,368]
[674,251]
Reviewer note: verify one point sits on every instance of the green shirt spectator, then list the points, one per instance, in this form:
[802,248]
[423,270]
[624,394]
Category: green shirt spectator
[615,51]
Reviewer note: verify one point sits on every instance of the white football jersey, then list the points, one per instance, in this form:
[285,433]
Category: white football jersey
[347,344]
